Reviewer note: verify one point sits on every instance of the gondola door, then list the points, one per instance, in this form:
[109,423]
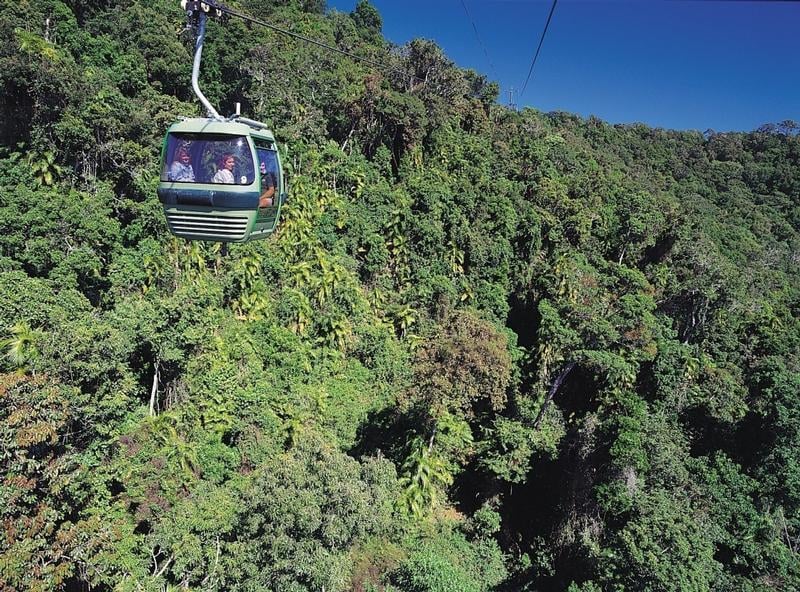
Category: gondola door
[270,188]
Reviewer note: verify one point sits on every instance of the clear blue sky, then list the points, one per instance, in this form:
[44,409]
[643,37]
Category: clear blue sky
[681,64]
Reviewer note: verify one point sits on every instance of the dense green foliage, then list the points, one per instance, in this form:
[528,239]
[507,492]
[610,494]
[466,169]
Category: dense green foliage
[487,350]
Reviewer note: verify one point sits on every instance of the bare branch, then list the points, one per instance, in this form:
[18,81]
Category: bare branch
[552,392]
[213,569]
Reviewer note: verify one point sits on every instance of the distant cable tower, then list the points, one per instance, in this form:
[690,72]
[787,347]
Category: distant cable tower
[511,104]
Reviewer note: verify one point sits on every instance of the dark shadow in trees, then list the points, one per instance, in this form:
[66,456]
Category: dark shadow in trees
[555,502]
[658,251]
[577,394]
[754,436]
[142,362]
[16,113]
[549,511]
[473,487]
[708,434]
[524,319]
[75,584]
[385,433]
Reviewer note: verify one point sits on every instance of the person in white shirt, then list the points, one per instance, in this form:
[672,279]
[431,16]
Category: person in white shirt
[225,172]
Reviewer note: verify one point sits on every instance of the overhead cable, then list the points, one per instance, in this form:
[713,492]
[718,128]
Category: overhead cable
[478,37]
[538,49]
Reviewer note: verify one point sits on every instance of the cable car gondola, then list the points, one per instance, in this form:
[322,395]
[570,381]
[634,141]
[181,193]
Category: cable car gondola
[216,172]
[213,175]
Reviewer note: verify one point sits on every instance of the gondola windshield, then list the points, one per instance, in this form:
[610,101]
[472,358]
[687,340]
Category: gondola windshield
[207,158]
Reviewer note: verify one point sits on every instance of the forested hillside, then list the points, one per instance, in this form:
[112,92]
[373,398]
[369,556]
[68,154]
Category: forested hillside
[486,350]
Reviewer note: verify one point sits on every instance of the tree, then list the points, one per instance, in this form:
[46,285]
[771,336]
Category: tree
[367,18]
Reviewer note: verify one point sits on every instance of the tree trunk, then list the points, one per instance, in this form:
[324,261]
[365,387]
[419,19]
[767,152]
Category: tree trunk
[154,389]
[552,392]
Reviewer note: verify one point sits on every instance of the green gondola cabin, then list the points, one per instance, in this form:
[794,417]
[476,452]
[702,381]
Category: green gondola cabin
[213,172]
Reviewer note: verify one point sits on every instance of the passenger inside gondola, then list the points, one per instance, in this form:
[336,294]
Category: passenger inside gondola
[181,169]
[268,178]
[225,172]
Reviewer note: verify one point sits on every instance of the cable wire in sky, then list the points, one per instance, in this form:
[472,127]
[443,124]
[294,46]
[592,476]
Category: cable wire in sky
[478,37]
[538,49]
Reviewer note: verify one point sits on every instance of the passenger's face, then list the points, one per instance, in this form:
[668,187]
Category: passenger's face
[229,162]
[185,158]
